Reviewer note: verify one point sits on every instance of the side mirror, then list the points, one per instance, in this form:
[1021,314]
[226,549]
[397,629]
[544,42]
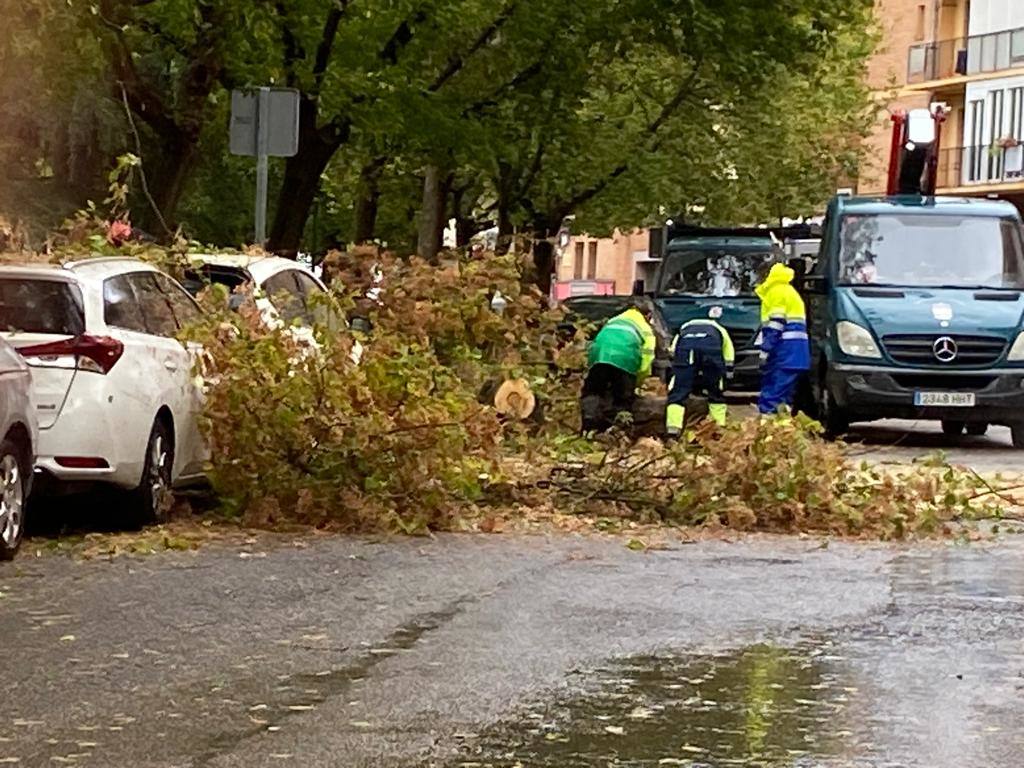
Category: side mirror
[799,266]
[816,285]
[638,288]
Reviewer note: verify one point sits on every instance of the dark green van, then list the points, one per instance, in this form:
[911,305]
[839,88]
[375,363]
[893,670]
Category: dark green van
[697,273]
[915,308]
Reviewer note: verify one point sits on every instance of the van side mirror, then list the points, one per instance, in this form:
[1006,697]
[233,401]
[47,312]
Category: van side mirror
[815,285]
[638,287]
[799,266]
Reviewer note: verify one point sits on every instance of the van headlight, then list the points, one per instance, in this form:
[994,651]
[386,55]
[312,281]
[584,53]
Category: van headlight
[856,341]
[1017,350]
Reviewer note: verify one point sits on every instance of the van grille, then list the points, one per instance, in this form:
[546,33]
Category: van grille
[943,383]
[972,351]
[742,338]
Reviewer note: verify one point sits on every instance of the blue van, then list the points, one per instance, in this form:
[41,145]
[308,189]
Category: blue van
[699,272]
[915,306]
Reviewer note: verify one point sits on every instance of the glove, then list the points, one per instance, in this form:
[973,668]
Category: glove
[763,356]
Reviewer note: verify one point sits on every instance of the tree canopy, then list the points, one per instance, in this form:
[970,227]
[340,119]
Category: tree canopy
[512,112]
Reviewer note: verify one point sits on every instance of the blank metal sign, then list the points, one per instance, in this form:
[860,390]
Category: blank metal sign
[282,122]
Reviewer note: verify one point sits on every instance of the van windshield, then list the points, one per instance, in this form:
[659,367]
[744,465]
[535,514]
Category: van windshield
[713,272]
[931,251]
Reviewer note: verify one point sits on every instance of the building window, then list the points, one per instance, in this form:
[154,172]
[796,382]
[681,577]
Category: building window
[995,132]
[1017,46]
[976,151]
[592,261]
[577,265]
[919,27]
[1016,129]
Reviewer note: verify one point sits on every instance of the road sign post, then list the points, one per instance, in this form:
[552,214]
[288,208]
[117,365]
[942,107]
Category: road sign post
[264,124]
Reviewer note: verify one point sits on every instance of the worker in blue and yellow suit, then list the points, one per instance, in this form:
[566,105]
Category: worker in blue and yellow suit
[703,356]
[785,346]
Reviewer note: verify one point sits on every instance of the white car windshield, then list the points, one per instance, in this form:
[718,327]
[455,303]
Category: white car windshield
[932,251]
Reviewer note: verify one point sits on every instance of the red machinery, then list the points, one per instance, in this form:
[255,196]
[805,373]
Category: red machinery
[914,153]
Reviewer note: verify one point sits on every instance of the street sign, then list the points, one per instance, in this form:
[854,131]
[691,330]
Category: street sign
[282,121]
[264,123]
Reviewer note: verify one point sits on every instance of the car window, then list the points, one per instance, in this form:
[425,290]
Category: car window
[283,292]
[156,309]
[185,310]
[198,277]
[318,307]
[120,306]
[31,305]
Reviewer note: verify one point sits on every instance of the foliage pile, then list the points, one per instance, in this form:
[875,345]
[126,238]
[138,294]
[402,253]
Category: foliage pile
[399,440]
[774,475]
[402,441]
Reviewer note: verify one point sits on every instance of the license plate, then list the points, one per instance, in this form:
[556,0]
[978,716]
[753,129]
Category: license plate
[944,399]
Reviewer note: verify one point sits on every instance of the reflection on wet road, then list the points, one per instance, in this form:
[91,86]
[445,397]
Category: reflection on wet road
[762,705]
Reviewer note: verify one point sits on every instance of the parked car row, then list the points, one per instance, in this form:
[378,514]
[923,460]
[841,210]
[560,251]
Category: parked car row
[95,388]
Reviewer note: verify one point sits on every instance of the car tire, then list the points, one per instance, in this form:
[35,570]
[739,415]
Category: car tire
[833,418]
[953,428]
[151,502]
[978,429]
[14,469]
[1017,431]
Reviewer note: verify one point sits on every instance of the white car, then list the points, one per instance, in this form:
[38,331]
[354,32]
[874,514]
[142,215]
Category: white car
[285,291]
[17,447]
[115,394]
[287,294]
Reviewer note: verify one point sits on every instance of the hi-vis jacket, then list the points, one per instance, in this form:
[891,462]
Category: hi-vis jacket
[627,342]
[784,337]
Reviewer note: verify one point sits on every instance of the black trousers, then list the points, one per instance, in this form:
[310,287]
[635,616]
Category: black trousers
[607,392]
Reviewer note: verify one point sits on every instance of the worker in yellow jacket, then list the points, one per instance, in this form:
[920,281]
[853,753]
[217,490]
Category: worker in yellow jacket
[785,345]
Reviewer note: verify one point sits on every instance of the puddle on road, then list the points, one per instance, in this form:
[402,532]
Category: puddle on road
[762,706]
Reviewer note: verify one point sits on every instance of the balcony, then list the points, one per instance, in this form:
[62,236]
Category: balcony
[982,166]
[965,57]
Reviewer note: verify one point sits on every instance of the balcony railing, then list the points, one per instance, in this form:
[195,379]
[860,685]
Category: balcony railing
[987,164]
[966,56]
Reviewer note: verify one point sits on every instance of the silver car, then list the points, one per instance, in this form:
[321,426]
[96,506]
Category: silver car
[17,449]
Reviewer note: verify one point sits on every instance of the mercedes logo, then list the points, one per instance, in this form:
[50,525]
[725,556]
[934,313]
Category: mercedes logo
[945,349]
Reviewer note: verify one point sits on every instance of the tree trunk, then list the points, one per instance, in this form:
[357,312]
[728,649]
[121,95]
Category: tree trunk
[431,223]
[544,264]
[181,152]
[301,181]
[368,201]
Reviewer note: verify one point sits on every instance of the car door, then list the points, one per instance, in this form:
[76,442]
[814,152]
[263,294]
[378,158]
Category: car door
[172,383]
[187,313]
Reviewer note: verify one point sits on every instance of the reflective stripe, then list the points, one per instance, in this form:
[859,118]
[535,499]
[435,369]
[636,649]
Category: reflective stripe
[775,325]
[794,335]
[617,323]
[675,415]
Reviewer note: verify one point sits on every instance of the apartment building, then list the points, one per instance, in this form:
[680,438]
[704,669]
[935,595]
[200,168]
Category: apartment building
[970,55]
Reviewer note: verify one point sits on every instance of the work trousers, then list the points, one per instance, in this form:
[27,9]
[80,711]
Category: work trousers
[607,392]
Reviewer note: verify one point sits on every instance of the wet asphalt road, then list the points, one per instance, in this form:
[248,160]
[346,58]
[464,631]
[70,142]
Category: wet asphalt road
[479,650]
[904,441]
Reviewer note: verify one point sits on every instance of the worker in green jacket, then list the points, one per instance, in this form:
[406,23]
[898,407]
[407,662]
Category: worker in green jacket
[620,359]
